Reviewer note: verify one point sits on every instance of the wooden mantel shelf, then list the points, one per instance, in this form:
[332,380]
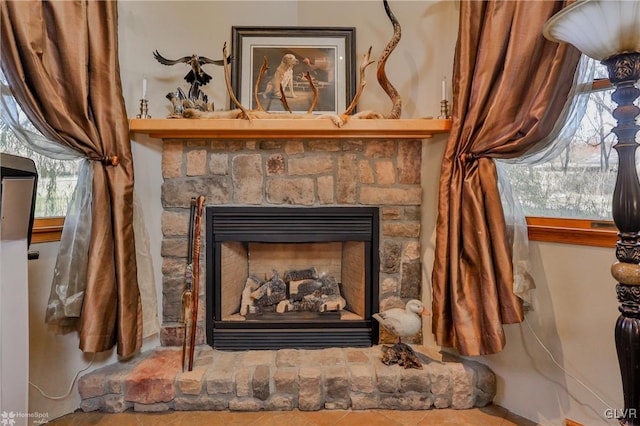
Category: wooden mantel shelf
[182,128]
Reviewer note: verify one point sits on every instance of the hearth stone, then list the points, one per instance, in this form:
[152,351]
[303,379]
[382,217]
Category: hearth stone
[333,378]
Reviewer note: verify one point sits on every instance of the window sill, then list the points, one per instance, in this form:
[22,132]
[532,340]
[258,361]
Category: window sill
[565,231]
[573,231]
[46,230]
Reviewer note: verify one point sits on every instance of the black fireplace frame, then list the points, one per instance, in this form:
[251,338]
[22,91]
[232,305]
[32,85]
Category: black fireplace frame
[298,225]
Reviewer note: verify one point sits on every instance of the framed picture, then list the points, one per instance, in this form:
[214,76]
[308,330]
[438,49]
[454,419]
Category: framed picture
[327,54]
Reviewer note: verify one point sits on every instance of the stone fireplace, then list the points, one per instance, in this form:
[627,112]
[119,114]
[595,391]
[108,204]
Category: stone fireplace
[381,175]
[370,167]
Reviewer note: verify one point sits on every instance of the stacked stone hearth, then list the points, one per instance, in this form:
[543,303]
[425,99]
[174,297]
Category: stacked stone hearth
[335,378]
[302,173]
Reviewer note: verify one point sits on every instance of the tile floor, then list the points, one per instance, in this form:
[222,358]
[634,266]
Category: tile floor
[492,415]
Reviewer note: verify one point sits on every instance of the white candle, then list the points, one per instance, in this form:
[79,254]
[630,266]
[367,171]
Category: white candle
[444,88]
[144,87]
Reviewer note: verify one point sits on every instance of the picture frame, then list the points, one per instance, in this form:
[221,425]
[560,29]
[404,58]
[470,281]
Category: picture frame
[327,53]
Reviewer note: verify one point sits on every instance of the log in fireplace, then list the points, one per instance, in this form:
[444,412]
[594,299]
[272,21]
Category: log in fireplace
[256,243]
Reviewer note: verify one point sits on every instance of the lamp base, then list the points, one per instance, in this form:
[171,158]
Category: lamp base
[627,336]
[624,72]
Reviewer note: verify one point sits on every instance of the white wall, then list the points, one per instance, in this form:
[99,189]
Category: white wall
[181,28]
[575,301]
[575,311]
[54,359]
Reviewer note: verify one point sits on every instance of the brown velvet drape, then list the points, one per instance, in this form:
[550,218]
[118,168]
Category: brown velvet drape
[61,61]
[510,85]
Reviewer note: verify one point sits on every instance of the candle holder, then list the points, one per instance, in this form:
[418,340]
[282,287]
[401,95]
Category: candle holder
[444,109]
[144,109]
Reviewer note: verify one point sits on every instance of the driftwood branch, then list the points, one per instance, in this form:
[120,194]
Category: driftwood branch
[366,61]
[227,79]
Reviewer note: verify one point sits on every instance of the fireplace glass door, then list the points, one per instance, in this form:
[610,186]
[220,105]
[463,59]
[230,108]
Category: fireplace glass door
[291,277]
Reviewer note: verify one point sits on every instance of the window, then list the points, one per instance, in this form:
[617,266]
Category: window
[56,182]
[568,199]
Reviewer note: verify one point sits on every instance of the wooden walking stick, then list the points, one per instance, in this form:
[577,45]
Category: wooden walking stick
[187,295]
[196,278]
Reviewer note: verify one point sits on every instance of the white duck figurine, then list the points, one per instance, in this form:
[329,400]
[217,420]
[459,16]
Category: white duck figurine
[403,322]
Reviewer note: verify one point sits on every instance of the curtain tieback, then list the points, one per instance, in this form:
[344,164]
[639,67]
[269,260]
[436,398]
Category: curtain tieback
[107,161]
[468,157]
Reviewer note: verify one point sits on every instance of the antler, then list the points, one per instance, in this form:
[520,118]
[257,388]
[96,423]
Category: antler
[263,69]
[307,75]
[283,99]
[227,79]
[366,61]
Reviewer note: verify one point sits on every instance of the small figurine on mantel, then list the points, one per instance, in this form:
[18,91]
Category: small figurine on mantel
[196,99]
[401,323]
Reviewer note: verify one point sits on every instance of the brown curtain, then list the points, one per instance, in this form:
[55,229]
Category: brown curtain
[510,85]
[61,61]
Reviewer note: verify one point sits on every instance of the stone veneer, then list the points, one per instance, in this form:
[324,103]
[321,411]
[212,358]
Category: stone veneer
[334,378]
[308,173]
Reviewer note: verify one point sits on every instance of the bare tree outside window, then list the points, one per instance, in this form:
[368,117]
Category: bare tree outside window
[579,182]
[56,178]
